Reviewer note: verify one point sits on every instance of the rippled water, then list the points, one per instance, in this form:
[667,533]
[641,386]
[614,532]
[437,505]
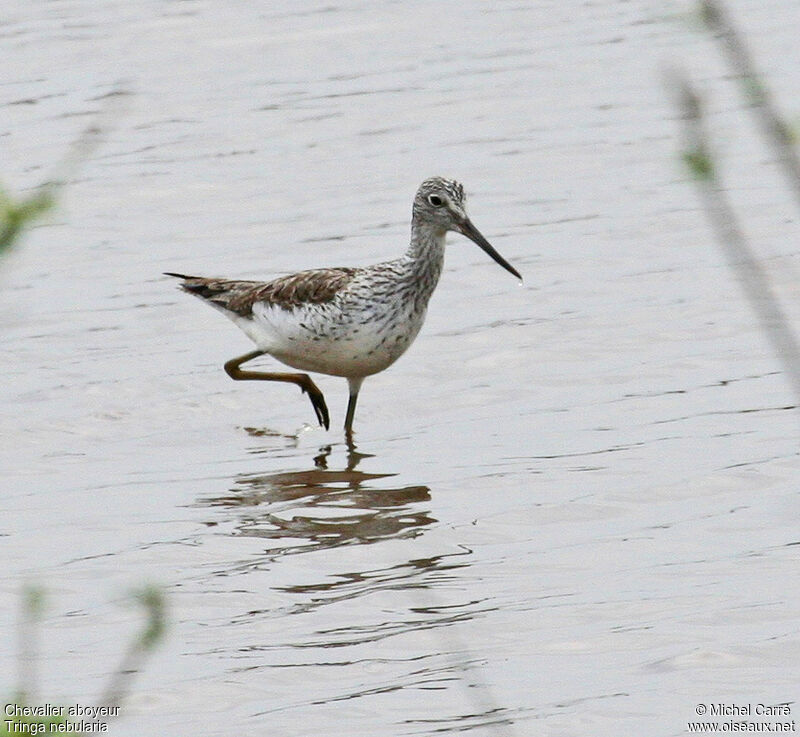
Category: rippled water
[572,508]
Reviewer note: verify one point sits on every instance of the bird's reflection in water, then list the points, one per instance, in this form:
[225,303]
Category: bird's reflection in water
[325,507]
[322,507]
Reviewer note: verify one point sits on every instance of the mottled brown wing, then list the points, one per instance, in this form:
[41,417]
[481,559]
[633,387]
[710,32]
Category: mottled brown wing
[307,287]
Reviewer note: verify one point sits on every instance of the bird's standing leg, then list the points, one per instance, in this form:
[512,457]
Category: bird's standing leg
[302,380]
[355,385]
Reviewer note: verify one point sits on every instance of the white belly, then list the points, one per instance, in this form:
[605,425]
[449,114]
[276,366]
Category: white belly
[326,341]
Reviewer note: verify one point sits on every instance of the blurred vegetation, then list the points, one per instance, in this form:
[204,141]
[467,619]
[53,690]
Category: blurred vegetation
[151,599]
[699,164]
[24,712]
[15,215]
[699,159]
[42,716]
[777,133]
[19,213]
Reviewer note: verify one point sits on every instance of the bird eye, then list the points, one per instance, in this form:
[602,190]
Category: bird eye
[435,200]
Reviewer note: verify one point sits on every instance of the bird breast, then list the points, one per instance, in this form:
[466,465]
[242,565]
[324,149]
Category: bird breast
[347,337]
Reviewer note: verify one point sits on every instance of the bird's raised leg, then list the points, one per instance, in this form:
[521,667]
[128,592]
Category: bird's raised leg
[302,380]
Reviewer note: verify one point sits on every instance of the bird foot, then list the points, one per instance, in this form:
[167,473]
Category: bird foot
[318,402]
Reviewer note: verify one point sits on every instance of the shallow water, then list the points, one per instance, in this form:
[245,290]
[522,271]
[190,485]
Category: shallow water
[572,506]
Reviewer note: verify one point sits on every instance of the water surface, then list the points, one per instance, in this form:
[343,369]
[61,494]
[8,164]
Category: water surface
[572,505]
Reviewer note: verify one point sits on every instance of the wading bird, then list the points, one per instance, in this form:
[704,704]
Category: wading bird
[349,322]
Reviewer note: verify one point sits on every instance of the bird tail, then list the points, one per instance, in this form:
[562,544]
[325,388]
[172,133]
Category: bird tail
[198,285]
[231,296]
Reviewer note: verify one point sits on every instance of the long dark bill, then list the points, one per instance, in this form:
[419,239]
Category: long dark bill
[469,230]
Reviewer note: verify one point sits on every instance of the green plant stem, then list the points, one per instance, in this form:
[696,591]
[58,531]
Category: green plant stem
[777,133]
[732,240]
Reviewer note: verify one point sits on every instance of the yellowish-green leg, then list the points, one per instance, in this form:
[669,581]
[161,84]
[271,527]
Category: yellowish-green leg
[302,380]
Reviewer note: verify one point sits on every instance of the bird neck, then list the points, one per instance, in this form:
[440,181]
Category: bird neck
[425,255]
